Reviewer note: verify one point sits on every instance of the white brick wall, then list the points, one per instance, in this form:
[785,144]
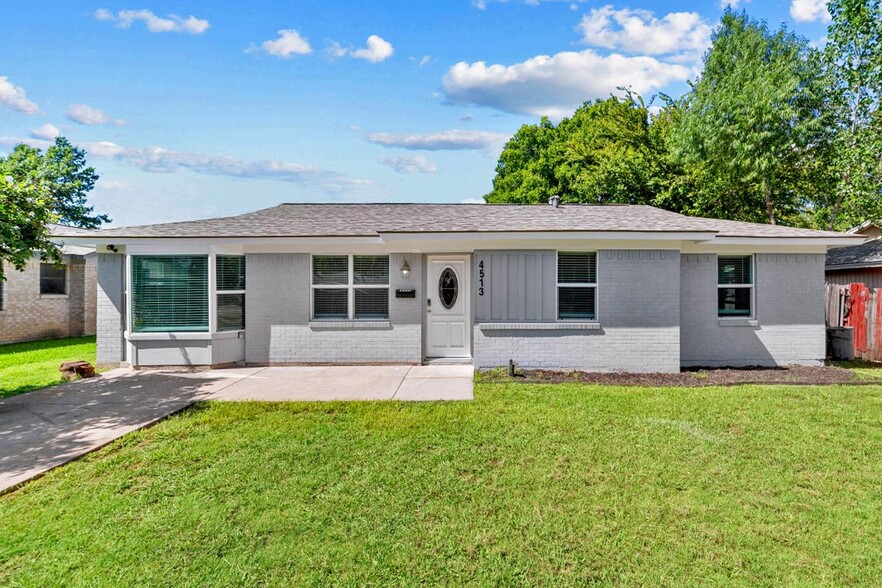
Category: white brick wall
[789,313]
[110,308]
[638,308]
[278,311]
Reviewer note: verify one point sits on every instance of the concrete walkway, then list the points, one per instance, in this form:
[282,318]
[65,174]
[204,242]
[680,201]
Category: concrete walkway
[46,428]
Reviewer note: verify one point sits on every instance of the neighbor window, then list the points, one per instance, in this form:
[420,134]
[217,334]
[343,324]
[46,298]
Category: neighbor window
[169,293]
[53,279]
[1,294]
[576,286]
[350,286]
[735,286]
[230,284]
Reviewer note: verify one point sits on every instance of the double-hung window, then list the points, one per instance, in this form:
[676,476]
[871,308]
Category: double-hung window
[53,279]
[230,284]
[735,286]
[576,286]
[169,293]
[350,287]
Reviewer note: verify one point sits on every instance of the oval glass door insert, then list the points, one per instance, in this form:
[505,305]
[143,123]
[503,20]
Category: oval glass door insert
[448,288]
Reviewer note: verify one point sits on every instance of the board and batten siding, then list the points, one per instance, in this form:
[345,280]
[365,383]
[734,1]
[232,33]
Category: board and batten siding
[517,286]
[638,313]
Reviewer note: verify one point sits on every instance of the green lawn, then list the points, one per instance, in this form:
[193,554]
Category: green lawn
[527,485]
[29,366]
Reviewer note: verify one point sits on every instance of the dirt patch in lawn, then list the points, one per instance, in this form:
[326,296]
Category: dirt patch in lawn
[797,374]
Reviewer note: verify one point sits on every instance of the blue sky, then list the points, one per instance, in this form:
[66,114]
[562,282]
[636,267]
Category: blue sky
[192,109]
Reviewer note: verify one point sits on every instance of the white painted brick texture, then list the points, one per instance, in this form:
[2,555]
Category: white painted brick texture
[278,315]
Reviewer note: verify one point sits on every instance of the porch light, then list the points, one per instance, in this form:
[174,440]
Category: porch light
[405,269]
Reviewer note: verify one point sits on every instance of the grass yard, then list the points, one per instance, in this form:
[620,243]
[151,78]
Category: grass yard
[29,366]
[566,484]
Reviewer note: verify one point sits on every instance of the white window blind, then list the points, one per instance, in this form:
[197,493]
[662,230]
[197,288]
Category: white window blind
[735,286]
[230,285]
[350,287]
[576,286]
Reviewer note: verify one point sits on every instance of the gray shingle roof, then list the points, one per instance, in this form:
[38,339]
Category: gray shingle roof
[339,220]
[866,254]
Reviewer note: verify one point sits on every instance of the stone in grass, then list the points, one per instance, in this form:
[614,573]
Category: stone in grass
[70,370]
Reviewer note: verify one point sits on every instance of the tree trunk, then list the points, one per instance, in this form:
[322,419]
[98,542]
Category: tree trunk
[770,207]
[838,202]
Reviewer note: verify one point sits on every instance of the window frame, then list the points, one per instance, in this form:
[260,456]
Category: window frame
[350,286]
[751,287]
[63,267]
[586,285]
[218,293]
[139,332]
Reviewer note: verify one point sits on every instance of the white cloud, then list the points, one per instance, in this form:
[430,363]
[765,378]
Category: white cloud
[89,115]
[482,4]
[161,160]
[640,32]
[377,50]
[452,140]
[472,201]
[289,43]
[47,132]
[809,10]
[421,61]
[555,85]
[409,164]
[112,185]
[155,24]
[335,50]
[15,97]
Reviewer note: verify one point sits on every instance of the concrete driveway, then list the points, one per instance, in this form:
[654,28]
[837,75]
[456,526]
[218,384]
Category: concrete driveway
[46,428]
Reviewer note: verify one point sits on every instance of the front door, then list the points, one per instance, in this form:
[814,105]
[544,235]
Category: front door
[448,318]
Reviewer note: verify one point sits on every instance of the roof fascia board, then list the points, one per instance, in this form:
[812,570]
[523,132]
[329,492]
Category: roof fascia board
[549,235]
[822,241]
[852,266]
[209,241]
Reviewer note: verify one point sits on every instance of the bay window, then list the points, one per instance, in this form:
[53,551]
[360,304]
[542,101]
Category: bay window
[169,293]
[230,285]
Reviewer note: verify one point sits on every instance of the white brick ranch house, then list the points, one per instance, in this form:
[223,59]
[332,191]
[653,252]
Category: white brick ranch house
[600,288]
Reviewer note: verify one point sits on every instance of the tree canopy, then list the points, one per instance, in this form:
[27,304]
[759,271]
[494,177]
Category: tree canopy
[603,153]
[772,130]
[38,188]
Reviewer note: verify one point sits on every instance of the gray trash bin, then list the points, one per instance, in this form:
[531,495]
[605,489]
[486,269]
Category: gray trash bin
[841,342]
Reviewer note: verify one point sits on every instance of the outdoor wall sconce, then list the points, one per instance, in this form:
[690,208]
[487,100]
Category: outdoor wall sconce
[405,269]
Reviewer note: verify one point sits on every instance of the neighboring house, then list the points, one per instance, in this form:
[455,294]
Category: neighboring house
[858,264]
[615,287]
[869,229]
[47,301]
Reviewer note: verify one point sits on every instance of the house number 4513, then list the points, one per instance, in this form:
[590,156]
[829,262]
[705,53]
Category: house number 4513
[481,278]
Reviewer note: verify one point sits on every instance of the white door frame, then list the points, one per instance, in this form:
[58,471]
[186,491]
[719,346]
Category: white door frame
[465,296]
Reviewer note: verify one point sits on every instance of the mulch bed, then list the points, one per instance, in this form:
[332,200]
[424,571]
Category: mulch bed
[805,375]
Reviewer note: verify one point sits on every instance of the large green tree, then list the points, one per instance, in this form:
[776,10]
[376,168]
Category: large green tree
[754,123]
[38,188]
[604,153]
[854,58]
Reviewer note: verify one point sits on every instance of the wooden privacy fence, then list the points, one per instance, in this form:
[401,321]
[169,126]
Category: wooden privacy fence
[859,307]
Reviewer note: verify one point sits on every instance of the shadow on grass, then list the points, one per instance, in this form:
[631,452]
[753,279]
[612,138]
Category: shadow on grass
[47,428]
